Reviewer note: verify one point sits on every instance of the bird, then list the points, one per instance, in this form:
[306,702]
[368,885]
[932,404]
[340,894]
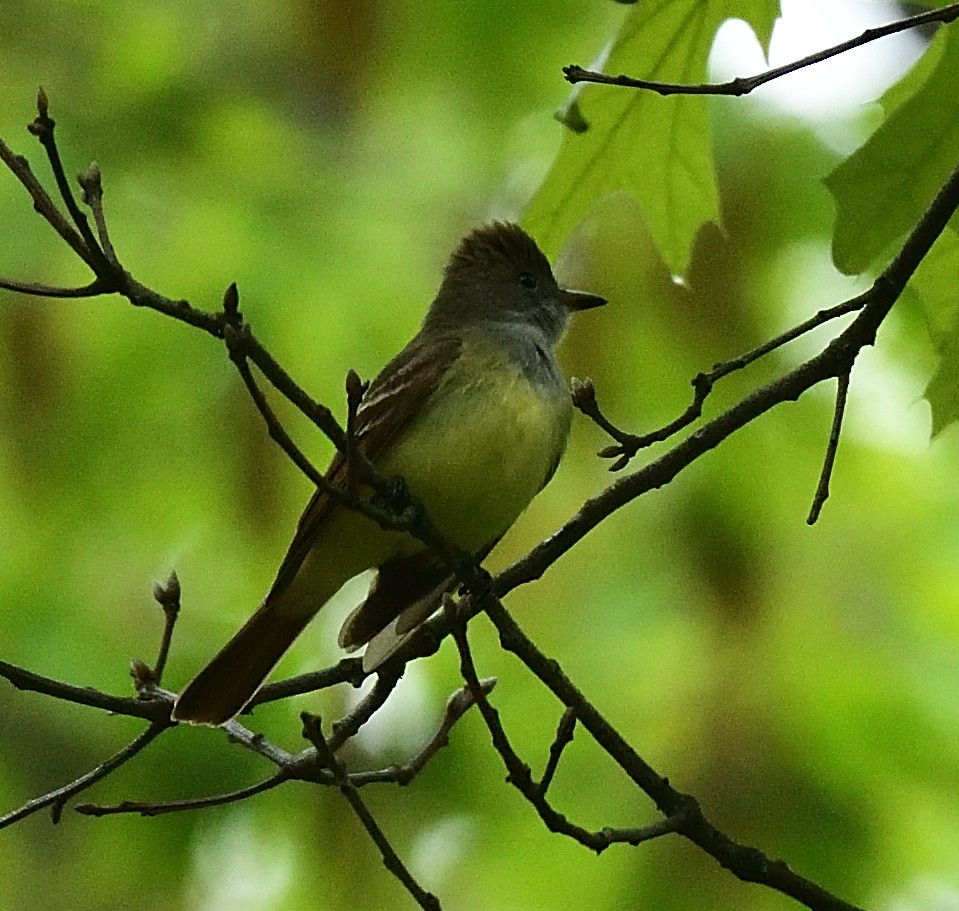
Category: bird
[473,414]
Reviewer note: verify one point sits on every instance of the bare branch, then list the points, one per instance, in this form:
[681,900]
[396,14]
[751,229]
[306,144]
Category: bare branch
[518,773]
[167,595]
[314,733]
[563,738]
[683,812]
[276,430]
[822,490]
[346,670]
[156,709]
[58,798]
[42,201]
[179,806]
[348,726]
[833,361]
[628,444]
[92,186]
[37,289]
[257,743]
[743,85]
[242,345]
[43,127]
[456,706]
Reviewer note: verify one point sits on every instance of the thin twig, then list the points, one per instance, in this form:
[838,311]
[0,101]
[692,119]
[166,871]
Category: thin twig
[563,738]
[313,732]
[244,345]
[43,128]
[258,744]
[38,289]
[350,724]
[237,336]
[456,706]
[276,430]
[634,837]
[745,84]
[822,489]
[146,808]
[92,185]
[685,815]
[156,709]
[346,670]
[518,773]
[343,496]
[42,201]
[58,798]
[629,444]
[167,595]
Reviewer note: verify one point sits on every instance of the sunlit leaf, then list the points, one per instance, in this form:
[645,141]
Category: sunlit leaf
[943,389]
[655,148]
[883,187]
[935,280]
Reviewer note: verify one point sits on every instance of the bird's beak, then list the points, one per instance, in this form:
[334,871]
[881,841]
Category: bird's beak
[580,300]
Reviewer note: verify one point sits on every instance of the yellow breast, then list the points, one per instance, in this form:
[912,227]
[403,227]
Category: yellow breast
[483,446]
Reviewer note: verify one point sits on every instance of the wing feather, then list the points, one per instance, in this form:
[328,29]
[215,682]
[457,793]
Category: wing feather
[396,394]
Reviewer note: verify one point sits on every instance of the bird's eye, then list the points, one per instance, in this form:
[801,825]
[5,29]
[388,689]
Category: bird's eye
[528,281]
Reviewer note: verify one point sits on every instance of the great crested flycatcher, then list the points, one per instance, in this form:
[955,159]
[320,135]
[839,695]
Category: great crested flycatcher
[473,414]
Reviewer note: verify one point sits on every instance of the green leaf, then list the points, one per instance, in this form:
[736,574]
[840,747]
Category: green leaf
[935,280]
[884,186]
[655,148]
[942,392]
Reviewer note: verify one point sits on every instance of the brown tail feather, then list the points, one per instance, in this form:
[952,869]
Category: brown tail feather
[222,689]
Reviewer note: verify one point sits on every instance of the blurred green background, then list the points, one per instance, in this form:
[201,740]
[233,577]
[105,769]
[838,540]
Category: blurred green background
[326,157]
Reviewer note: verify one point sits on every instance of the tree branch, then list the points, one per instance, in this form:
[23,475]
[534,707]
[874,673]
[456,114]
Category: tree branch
[563,738]
[313,732]
[519,775]
[167,595]
[833,361]
[681,811]
[180,806]
[743,85]
[822,490]
[57,799]
[155,709]
[629,444]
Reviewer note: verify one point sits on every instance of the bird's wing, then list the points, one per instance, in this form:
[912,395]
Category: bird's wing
[393,398]
[407,591]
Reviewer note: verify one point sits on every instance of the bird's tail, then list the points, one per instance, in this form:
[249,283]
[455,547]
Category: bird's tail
[224,687]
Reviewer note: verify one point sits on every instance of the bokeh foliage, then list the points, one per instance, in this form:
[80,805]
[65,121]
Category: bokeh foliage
[800,681]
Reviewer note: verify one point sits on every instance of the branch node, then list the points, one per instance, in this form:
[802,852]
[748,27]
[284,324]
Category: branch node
[231,304]
[167,594]
[142,674]
[90,182]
